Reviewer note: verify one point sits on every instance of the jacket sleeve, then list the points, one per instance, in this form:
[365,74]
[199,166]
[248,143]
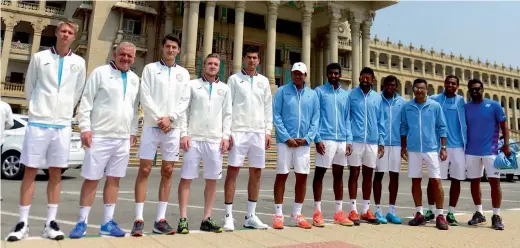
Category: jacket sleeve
[9,122]
[317,138]
[80,84]
[87,101]
[227,108]
[268,110]
[440,123]
[184,118]
[381,124]
[281,132]
[182,105]
[348,122]
[315,121]
[135,121]
[462,115]
[404,121]
[146,98]
[31,77]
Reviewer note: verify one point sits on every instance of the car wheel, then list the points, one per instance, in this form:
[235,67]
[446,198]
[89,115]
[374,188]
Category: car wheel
[11,167]
[46,171]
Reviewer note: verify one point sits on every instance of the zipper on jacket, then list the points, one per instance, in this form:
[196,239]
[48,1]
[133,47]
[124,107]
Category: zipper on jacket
[336,110]
[420,123]
[299,110]
[458,117]
[390,108]
[366,114]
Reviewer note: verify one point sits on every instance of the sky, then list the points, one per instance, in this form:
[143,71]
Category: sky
[486,30]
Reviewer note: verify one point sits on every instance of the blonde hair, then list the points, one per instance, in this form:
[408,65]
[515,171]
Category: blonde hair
[70,23]
[127,44]
[211,55]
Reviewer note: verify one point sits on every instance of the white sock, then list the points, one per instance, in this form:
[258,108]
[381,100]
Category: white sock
[297,208]
[451,209]
[317,205]
[366,206]
[419,209]
[229,210]
[139,211]
[23,211]
[161,211]
[83,214]
[52,209]
[432,208]
[339,206]
[439,211]
[479,209]
[391,209]
[278,209]
[251,208]
[353,205]
[378,209]
[109,212]
[496,211]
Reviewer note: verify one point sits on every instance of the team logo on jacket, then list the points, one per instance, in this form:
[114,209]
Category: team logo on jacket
[220,92]
[179,77]
[74,68]
[260,85]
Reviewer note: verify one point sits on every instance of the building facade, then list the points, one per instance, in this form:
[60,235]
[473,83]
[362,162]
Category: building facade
[314,32]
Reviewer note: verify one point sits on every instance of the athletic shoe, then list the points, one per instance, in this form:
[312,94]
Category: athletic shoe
[418,220]
[317,219]
[441,223]
[209,225]
[278,222]
[496,222]
[19,232]
[353,216]
[182,227]
[52,231]
[370,218]
[111,229]
[162,227]
[229,224]
[300,221]
[138,229]
[477,219]
[392,218]
[429,216]
[451,219]
[79,231]
[254,222]
[381,218]
[342,219]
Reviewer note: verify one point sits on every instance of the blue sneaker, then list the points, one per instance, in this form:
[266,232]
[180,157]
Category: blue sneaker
[111,229]
[392,218]
[79,231]
[381,218]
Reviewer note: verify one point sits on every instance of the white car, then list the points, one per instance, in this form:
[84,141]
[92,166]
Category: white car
[12,148]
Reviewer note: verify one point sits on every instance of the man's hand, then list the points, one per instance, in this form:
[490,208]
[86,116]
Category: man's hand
[380,151]
[86,138]
[267,141]
[506,150]
[133,140]
[291,143]
[320,148]
[185,143]
[301,141]
[349,149]
[164,123]
[224,145]
[404,154]
[444,154]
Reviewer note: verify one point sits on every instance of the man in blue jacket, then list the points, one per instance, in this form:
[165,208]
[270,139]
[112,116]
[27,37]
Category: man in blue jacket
[453,108]
[422,124]
[296,117]
[368,131]
[333,143]
[391,160]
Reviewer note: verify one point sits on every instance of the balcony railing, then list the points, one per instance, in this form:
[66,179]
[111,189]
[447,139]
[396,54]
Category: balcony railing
[20,47]
[28,6]
[54,10]
[6,2]
[44,48]
[13,89]
[140,3]
[137,40]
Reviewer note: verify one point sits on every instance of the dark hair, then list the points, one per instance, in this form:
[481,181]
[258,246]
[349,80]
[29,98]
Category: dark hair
[334,66]
[420,80]
[475,81]
[452,76]
[367,70]
[251,49]
[389,79]
[172,38]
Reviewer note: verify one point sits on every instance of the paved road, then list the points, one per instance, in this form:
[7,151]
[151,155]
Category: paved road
[68,210]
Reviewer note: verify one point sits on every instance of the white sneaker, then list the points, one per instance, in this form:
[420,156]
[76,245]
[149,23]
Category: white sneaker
[53,231]
[255,223]
[229,224]
[20,231]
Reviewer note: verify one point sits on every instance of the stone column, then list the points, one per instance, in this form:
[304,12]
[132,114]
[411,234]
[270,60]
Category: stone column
[41,7]
[366,44]
[37,37]
[444,71]
[320,67]
[168,19]
[84,32]
[272,15]
[333,34]
[355,33]
[515,117]
[184,32]
[307,9]
[8,37]
[326,48]
[191,40]
[240,10]
[508,113]
[208,28]
[376,59]
[400,63]
[423,67]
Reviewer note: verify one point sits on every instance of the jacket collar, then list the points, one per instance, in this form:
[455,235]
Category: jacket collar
[164,63]
[427,102]
[113,65]
[203,77]
[329,85]
[53,51]
[244,72]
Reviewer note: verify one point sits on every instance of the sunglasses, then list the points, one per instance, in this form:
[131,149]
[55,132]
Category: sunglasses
[366,78]
[474,89]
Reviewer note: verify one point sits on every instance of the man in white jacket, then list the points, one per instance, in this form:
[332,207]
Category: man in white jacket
[6,121]
[250,135]
[205,130]
[53,86]
[108,119]
[164,97]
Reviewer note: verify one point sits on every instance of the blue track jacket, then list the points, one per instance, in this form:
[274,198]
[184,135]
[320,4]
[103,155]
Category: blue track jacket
[366,117]
[459,105]
[334,120]
[392,114]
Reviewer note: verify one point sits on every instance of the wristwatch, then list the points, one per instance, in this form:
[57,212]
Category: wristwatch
[171,118]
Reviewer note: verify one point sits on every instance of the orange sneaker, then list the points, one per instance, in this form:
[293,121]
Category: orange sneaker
[278,222]
[317,219]
[369,217]
[341,218]
[300,221]
[353,216]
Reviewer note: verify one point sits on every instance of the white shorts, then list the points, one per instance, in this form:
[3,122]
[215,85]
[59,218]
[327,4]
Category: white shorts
[335,153]
[455,164]
[168,142]
[251,145]
[415,164]
[363,154]
[211,157]
[391,160]
[476,164]
[44,147]
[107,157]
[299,157]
